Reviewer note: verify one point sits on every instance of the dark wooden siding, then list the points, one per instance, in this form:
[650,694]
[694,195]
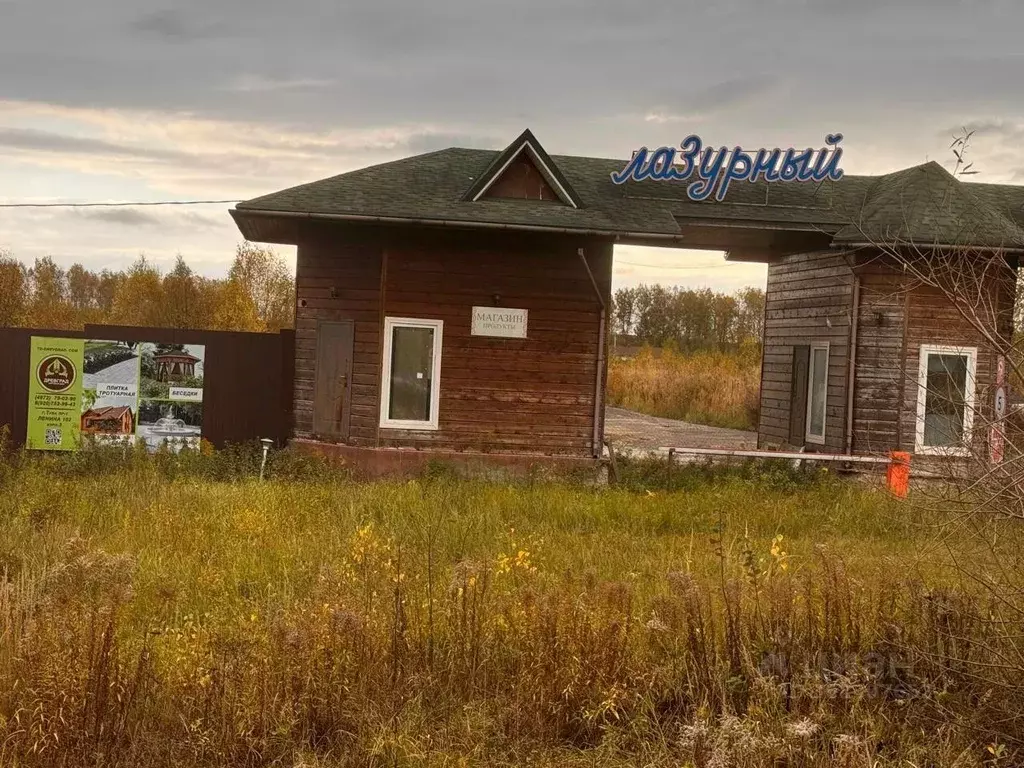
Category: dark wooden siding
[878,389]
[522,180]
[338,281]
[533,395]
[933,319]
[896,317]
[808,300]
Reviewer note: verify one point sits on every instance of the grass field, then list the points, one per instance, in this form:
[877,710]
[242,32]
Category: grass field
[717,388]
[177,612]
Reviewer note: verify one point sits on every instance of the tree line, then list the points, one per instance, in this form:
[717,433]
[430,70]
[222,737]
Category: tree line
[690,319]
[258,294]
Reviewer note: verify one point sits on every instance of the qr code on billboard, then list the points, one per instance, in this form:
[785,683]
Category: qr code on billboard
[54,436]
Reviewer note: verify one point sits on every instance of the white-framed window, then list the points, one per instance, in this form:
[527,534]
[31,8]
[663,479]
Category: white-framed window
[817,392]
[411,379]
[945,399]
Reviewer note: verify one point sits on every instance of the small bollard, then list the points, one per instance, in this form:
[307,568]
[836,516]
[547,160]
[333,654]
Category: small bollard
[897,474]
[267,442]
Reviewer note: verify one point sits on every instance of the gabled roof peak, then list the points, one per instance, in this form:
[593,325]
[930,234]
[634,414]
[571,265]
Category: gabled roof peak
[526,143]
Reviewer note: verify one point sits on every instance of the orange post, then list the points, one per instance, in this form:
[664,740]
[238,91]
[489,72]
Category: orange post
[897,475]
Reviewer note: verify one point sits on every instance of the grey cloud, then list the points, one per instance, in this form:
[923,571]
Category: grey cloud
[429,142]
[459,61]
[168,218]
[177,26]
[31,139]
[202,221]
[47,141]
[160,220]
[250,84]
[222,166]
[999,129]
[128,217]
[709,100]
[734,91]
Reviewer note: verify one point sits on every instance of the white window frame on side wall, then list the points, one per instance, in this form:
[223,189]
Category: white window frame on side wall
[808,436]
[390,324]
[971,353]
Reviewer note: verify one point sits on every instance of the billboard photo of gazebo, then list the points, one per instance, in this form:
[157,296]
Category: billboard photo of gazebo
[164,366]
[175,365]
[170,409]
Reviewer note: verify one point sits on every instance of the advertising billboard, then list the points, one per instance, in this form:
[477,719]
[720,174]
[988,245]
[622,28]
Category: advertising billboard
[111,392]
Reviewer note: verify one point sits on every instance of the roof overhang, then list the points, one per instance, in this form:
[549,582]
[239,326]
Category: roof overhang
[753,241]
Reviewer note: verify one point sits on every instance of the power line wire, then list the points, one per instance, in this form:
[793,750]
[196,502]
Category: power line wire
[669,266]
[225,202]
[117,205]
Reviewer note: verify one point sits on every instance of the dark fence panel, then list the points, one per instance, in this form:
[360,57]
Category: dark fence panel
[247,377]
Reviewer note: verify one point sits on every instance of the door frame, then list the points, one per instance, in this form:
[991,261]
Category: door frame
[344,425]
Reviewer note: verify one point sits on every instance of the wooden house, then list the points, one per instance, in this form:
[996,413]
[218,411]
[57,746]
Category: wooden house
[459,301]
[111,420]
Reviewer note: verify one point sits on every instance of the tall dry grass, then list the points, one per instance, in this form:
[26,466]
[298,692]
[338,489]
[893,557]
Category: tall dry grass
[721,389]
[149,620]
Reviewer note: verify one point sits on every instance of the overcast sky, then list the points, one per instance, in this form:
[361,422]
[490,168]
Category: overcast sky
[226,99]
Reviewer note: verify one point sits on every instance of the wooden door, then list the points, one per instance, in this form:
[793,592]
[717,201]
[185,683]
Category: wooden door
[332,396]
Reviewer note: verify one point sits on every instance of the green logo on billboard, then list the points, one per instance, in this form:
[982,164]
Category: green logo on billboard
[56,373]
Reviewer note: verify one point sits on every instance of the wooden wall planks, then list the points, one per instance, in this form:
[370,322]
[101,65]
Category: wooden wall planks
[533,395]
[809,299]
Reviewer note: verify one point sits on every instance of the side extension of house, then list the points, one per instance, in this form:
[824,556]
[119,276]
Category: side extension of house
[828,310]
[804,371]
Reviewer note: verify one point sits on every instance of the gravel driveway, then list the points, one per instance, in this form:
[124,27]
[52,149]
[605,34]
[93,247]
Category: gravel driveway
[628,429]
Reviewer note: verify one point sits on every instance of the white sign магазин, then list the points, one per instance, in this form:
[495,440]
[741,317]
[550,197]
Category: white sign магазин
[499,321]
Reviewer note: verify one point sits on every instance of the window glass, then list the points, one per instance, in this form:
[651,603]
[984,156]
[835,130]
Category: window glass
[817,391]
[412,364]
[945,402]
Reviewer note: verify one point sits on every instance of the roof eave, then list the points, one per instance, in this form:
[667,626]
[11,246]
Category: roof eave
[893,245]
[240,216]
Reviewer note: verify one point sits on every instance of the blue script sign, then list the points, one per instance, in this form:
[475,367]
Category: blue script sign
[732,165]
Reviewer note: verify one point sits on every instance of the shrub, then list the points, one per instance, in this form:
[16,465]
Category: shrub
[99,360]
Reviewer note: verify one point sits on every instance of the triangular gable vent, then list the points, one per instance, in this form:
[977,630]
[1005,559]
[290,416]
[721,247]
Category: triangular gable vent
[523,171]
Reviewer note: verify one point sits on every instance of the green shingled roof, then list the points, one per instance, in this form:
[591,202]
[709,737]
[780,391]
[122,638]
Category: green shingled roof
[924,204]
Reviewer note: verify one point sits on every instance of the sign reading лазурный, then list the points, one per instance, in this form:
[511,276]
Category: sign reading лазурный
[499,321]
[723,166]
